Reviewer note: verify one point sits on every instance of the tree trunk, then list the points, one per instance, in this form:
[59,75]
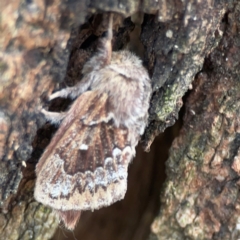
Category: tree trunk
[200,199]
[43,47]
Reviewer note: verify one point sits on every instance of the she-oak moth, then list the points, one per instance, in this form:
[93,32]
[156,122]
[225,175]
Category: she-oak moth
[85,165]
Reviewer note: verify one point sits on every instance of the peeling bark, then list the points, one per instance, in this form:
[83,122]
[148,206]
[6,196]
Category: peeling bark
[43,46]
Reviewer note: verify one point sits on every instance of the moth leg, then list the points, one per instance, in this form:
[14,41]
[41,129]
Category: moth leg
[100,60]
[72,92]
[54,117]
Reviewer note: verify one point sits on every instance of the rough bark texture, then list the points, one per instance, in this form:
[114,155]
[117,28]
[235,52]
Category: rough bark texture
[175,52]
[201,195]
[43,46]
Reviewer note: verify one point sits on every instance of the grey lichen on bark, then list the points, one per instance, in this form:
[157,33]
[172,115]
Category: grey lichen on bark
[35,44]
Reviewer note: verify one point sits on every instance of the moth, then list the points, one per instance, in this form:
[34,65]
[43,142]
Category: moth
[85,165]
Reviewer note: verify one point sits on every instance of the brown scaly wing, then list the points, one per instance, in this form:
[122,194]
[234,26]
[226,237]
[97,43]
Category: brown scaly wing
[85,165]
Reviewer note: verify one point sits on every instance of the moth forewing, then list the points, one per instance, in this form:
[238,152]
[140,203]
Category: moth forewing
[81,156]
[85,165]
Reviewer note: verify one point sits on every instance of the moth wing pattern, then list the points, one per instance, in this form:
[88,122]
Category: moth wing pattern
[85,165]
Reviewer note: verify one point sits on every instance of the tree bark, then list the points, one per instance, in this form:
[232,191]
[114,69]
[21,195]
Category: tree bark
[200,199]
[43,46]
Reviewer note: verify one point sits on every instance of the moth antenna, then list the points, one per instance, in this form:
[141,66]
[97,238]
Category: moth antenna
[108,43]
[110,27]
